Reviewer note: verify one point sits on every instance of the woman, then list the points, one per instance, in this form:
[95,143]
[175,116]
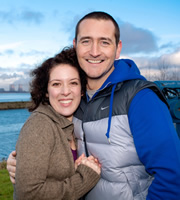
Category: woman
[46,146]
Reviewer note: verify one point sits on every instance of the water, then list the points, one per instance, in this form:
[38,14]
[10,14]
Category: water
[10,97]
[11,122]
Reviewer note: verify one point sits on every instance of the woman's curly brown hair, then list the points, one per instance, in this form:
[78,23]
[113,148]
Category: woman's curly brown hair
[39,84]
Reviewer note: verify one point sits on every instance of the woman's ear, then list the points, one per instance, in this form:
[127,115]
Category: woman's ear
[74,43]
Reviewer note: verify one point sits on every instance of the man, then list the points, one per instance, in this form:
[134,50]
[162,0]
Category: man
[123,120]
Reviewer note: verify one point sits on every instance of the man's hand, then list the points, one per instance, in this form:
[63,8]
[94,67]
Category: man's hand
[91,162]
[11,166]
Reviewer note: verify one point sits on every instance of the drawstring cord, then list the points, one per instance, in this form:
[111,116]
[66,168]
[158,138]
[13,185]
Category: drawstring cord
[110,113]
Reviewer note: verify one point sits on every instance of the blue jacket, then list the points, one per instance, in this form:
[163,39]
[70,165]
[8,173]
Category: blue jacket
[143,122]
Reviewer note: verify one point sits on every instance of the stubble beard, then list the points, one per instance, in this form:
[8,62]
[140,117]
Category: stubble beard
[101,76]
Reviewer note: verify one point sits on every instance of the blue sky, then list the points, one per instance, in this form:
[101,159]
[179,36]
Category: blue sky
[31,31]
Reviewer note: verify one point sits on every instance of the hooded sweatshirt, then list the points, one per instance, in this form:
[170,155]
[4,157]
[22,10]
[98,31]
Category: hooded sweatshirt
[128,127]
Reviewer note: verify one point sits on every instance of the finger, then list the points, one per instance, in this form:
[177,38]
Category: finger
[82,156]
[11,169]
[91,158]
[92,165]
[10,164]
[78,160]
[13,154]
[12,175]
[77,163]
[12,180]
[84,160]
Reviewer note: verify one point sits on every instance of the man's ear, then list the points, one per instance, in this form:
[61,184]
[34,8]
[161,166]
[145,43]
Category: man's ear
[118,50]
[74,43]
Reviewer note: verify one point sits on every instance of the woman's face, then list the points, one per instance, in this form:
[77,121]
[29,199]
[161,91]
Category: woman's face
[64,89]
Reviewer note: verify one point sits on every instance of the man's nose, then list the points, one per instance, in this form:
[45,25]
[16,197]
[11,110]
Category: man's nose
[95,49]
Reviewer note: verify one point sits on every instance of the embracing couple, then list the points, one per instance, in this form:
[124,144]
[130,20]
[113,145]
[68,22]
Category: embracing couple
[98,129]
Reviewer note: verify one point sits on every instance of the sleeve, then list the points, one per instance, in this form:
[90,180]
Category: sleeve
[157,144]
[34,148]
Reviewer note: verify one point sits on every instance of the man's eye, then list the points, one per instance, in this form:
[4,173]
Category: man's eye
[105,43]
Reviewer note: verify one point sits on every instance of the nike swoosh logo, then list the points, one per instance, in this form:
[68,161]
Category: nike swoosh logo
[103,108]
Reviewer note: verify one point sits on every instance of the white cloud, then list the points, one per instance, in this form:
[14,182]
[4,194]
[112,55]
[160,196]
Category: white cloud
[151,67]
[173,58]
[8,46]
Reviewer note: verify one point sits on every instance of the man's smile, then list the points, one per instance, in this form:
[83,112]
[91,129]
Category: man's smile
[95,61]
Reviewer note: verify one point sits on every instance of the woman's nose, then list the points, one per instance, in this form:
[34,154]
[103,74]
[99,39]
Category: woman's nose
[65,90]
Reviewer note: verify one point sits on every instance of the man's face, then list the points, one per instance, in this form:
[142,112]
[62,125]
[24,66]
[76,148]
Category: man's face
[96,49]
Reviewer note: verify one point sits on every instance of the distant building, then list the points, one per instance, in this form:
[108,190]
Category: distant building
[20,88]
[12,88]
[2,90]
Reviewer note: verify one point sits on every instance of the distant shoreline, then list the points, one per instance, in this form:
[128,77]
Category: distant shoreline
[14,105]
[14,91]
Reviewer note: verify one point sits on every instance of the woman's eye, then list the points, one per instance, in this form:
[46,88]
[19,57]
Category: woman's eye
[55,84]
[85,41]
[74,83]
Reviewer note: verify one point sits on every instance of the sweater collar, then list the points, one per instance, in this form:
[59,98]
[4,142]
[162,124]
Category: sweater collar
[64,123]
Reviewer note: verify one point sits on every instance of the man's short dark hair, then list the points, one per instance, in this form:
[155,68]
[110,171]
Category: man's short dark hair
[100,16]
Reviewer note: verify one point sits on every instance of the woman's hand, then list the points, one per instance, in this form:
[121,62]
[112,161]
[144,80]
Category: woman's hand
[78,161]
[91,162]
